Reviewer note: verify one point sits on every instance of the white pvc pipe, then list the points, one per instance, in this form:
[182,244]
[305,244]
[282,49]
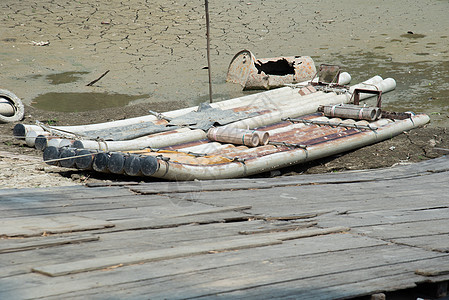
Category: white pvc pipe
[54,142]
[202,148]
[30,138]
[276,95]
[154,142]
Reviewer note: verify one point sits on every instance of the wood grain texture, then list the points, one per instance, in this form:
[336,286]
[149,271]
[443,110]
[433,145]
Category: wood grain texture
[310,237]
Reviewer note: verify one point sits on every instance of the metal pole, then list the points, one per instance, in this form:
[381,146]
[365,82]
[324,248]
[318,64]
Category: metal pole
[206,5]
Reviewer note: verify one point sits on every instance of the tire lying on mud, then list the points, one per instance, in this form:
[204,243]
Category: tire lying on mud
[13,109]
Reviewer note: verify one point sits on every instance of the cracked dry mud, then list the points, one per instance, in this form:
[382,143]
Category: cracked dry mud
[156,50]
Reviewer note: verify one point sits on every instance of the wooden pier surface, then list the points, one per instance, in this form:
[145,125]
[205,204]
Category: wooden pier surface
[329,236]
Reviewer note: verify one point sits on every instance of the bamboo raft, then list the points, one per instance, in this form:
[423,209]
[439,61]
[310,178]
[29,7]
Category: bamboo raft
[229,139]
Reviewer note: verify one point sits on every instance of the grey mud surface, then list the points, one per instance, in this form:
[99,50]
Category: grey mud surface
[155,54]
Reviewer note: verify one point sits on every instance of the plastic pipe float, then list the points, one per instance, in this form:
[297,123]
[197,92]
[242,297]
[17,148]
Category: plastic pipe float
[351,111]
[234,136]
[153,141]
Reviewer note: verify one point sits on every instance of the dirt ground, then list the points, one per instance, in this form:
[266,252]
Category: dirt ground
[157,51]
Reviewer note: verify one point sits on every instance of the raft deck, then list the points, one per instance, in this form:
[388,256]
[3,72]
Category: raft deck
[328,236]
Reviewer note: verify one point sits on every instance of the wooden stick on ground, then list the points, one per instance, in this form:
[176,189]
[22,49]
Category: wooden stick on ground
[95,81]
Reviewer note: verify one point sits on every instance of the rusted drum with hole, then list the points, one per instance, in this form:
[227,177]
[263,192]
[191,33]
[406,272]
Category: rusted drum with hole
[268,73]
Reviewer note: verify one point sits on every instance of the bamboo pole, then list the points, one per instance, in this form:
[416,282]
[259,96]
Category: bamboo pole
[206,6]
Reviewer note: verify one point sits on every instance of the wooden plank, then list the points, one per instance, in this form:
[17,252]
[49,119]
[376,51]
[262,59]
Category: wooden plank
[434,271]
[112,183]
[58,193]
[438,242]
[168,222]
[193,278]
[111,243]
[35,226]
[404,172]
[158,214]
[211,283]
[155,255]
[376,196]
[170,253]
[141,240]
[278,228]
[334,286]
[307,249]
[406,230]
[46,190]
[387,216]
[216,210]
[292,235]
[14,245]
[156,203]
[50,202]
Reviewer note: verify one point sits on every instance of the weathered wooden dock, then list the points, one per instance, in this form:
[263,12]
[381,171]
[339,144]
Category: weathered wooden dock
[329,236]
